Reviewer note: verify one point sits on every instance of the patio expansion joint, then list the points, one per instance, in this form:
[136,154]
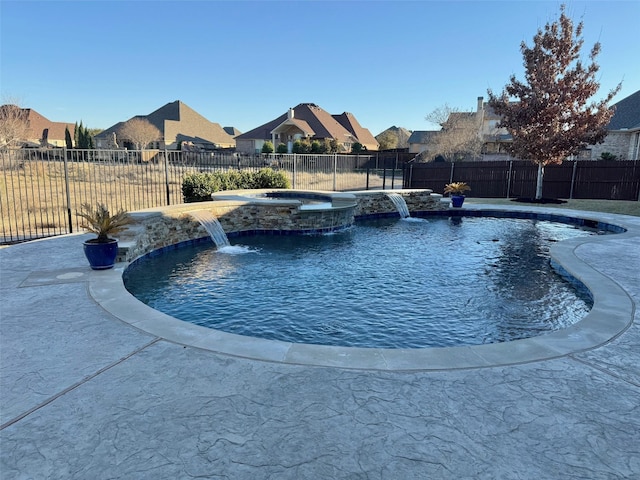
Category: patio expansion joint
[600,369]
[78,384]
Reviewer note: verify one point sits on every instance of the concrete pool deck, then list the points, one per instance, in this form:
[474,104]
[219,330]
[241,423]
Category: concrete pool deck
[89,390]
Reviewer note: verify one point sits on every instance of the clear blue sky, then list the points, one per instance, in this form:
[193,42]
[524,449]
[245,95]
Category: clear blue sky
[243,63]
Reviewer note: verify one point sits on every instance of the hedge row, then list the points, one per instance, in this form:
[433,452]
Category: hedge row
[198,187]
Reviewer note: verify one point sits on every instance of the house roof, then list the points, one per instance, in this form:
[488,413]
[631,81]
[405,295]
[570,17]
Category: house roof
[489,112]
[109,131]
[627,114]
[364,136]
[38,123]
[300,124]
[343,127]
[233,131]
[181,122]
[421,136]
[456,117]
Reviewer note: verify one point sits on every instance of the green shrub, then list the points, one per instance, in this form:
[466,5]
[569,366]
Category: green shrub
[198,187]
[317,147]
[282,148]
[269,178]
[335,146]
[301,146]
[267,147]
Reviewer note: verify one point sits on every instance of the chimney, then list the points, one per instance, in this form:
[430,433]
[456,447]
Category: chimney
[480,104]
[290,114]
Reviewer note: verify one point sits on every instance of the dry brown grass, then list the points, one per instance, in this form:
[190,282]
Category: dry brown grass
[33,194]
[34,202]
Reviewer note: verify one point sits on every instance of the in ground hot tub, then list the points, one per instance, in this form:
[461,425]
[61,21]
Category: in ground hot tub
[294,211]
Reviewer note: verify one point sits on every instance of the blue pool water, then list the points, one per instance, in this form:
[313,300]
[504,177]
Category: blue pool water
[384,283]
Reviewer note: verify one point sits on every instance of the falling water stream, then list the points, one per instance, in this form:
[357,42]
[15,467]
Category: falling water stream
[401,205]
[213,227]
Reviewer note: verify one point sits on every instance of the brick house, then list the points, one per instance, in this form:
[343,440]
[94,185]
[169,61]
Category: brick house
[623,139]
[42,132]
[307,121]
[177,123]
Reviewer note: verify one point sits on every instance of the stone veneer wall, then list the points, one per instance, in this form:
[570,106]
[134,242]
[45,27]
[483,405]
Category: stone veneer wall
[159,228]
[371,202]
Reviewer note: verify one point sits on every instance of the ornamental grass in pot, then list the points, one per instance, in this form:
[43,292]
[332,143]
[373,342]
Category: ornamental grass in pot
[101,252]
[456,190]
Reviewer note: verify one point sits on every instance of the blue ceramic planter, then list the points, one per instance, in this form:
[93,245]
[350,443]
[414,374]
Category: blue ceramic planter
[457,200]
[101,256]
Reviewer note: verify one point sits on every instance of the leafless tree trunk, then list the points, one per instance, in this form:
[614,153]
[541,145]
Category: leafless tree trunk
[140,132]
[14,125]
[460,134]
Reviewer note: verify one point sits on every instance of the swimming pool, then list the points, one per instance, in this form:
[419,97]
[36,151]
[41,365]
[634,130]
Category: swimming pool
[386,283]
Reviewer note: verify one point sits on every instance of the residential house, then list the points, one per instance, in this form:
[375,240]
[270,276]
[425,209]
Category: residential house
[400,134]
[42,132]
[484,121]
[177,123]
[419,142]
[307,121]
[623,137]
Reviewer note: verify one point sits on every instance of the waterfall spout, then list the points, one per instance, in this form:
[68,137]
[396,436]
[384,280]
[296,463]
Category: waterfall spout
[213,227]
[401,205]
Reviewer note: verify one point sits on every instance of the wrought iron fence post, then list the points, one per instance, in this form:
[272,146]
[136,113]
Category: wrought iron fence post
[335,171]
[166,176]
[67,189]
[294,171]
[509,179]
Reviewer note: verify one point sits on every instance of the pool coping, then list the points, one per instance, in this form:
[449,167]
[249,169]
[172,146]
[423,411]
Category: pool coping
[611,315]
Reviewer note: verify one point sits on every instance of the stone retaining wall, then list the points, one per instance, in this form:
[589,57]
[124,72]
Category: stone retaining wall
[376,201]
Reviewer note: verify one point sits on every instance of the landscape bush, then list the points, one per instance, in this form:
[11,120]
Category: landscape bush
[198,187]
[267,147]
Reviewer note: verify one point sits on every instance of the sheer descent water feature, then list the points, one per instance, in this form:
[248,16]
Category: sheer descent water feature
[212,226]
[401,205]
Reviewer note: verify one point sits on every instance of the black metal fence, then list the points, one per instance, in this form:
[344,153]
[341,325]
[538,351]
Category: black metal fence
[42,189]
[610,180]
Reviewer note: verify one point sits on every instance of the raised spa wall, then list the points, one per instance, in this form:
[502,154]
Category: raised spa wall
[254,211]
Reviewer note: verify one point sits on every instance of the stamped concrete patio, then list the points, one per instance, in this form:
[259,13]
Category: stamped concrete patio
[90,391]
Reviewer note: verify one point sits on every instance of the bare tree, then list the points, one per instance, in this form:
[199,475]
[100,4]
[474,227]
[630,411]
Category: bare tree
[14,125]
[460,134]
[393,137]
[553,118]
[140,132]
[387,140]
